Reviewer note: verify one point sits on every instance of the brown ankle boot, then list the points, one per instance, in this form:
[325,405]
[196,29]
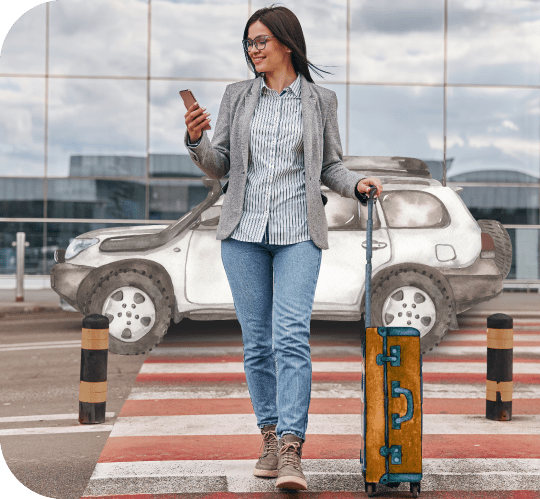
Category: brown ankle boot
[267,463]
[290,475]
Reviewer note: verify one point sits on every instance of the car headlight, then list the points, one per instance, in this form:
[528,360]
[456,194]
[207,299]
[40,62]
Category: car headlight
[78,245]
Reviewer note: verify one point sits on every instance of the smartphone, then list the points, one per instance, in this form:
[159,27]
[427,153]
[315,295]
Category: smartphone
[189,100]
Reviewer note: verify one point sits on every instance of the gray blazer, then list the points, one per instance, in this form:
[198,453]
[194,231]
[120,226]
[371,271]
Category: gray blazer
[229,153]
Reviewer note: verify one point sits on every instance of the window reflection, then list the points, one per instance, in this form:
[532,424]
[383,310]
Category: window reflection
[493,129]
[95,198]
[198,39]
[396,121]
[23,50]
[35,256]
[325,29]
[507,204]
[397,41]
[96,118]
[170,200]
[525,255]
[21,197]
[98,37]
[22,130]
[167,122]
[494,42]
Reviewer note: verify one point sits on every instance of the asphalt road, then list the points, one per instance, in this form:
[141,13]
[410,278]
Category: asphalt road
[52,454]
[40,360]
[40,371]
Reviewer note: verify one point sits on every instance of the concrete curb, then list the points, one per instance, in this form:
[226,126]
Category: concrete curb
[28,308]
[515,314]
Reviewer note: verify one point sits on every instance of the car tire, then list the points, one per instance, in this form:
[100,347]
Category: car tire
[503,244]
[119,295]
[416,291]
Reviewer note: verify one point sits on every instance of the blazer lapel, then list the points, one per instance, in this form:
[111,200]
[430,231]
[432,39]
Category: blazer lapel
[308,121]
[251,100]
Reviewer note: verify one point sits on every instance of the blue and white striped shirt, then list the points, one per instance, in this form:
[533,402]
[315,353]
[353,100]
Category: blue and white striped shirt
[276,190]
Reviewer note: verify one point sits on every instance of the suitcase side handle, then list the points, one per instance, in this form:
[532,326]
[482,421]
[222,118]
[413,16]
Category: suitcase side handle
[396,392]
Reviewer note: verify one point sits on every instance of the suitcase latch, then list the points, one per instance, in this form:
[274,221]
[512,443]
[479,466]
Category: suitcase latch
[394,451]
[394,358]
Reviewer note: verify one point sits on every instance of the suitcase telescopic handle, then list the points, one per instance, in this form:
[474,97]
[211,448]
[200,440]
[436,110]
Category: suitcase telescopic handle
[369,246]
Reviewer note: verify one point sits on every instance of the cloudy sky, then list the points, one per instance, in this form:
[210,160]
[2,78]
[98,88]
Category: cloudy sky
[490,42]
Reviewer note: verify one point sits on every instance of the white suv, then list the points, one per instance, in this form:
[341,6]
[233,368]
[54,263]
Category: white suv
[431,260]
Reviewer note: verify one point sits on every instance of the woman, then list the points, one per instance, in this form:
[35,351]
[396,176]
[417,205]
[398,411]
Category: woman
[277,137]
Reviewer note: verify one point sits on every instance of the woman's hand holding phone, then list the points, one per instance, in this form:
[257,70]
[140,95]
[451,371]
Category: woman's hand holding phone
[196,118]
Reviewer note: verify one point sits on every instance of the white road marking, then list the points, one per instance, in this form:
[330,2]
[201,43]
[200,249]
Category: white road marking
[41,347]
[57,429]
[318,390]
[457,351]
[325,390]
[46,417]
[218,350]
[38,345]
[336,367]
[155,477]
[235,367]
[483,337]
[476,367]
[41,343]
[475,391]
[28,319]
[311,466]
[319,424]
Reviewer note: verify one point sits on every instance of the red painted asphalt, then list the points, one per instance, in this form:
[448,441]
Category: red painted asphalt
[227,447]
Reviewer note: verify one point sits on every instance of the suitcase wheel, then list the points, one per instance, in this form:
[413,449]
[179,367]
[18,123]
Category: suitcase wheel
[371,488]
[415,489]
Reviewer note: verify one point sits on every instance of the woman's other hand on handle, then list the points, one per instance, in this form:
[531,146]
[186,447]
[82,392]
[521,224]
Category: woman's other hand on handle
[365,184]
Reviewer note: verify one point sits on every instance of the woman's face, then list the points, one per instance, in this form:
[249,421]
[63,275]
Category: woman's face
[273,57]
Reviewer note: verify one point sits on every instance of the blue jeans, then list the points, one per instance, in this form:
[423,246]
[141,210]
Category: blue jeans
[273,288]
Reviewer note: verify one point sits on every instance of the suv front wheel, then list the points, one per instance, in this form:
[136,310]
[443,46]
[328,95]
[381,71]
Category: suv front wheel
[413,297]
[138,308]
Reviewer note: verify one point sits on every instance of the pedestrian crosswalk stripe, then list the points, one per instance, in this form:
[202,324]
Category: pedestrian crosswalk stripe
[238,367]
[175,477]
[320,390]
[326,424]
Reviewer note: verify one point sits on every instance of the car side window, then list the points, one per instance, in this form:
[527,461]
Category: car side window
[413,209]
[341,213]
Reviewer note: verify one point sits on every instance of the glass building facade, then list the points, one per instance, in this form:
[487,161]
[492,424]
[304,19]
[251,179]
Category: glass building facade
[91,123]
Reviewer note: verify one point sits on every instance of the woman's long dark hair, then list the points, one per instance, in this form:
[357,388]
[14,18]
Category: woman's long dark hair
[284,25]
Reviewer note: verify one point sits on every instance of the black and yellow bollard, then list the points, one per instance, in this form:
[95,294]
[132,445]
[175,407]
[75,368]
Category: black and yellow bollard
[94,352]
[500,353]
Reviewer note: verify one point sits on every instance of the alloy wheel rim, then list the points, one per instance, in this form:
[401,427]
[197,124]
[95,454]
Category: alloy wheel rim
[131,313]
[409,306]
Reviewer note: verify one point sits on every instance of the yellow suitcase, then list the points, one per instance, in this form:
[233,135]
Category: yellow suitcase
[392,422]
[392,389]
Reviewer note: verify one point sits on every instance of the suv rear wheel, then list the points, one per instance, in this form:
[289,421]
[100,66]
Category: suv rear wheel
[413,297]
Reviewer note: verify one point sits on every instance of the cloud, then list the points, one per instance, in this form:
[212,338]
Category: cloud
[508,145]
[22,129]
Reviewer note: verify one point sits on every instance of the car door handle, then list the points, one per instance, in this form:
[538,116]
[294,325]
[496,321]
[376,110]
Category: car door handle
[375,245]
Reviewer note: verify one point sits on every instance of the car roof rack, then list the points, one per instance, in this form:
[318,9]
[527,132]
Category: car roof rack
[395,166]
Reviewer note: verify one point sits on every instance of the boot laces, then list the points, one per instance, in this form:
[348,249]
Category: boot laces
[269,444]
[290,454]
